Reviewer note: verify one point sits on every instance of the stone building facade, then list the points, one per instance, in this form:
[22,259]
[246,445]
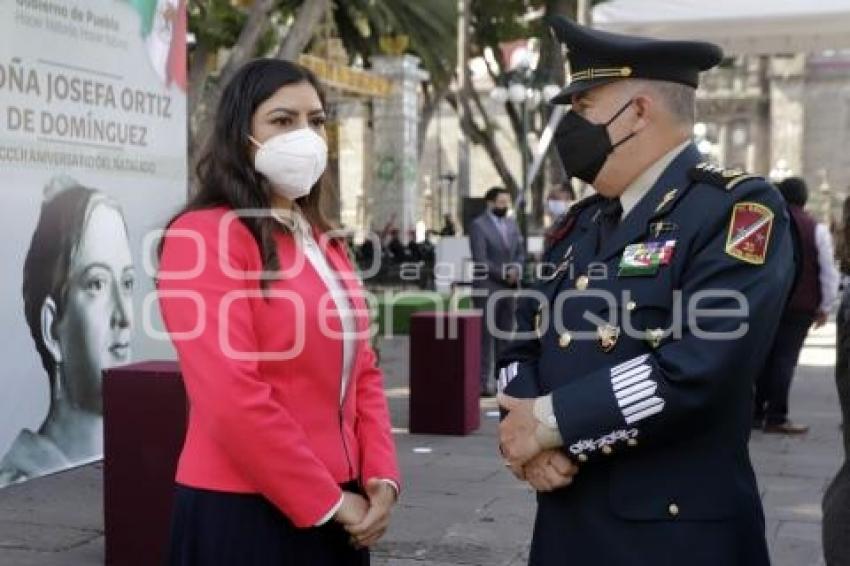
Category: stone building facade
[783,115]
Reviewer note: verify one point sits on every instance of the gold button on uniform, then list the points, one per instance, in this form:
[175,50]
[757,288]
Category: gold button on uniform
[582,282]
[564,339]
[607,450]
[582,457]
[654,336]
[608,336]
[673,509]
[632,442]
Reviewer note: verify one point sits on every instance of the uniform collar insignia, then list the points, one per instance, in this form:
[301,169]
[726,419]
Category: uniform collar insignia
[662,227]
[668,196]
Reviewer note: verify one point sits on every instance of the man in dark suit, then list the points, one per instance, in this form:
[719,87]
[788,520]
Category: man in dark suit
[497,256]
[663,296]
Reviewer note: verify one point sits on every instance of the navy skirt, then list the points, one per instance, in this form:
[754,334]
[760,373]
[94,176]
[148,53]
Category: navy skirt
[213,528]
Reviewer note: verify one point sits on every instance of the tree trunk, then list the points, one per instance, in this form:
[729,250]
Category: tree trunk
[485,137]
[197,74]
[207,95]
[301,32]
[197,83]
[432,101]
[513,116]
[246,46]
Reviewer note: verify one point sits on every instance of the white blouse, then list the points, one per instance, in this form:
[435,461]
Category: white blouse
[295,222]
[300,229]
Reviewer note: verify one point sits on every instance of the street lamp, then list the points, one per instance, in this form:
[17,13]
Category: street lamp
[517,93]
[522,92]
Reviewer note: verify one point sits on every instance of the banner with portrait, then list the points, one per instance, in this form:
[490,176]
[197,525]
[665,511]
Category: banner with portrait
[93,161]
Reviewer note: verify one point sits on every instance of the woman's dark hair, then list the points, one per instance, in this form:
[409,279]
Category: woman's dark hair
[225,172]
[47,267]
[794,190]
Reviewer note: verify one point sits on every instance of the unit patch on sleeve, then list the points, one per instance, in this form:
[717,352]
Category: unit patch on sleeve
[749,232]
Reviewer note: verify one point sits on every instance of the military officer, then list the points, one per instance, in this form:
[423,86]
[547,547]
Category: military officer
[636,352]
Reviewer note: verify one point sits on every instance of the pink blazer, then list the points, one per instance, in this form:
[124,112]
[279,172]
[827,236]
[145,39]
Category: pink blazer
[263,373]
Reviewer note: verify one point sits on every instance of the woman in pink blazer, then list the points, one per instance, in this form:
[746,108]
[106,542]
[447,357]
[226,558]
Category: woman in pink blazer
[288,457]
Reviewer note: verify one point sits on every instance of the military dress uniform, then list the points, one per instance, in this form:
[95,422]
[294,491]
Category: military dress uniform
[642,340]
[652,404]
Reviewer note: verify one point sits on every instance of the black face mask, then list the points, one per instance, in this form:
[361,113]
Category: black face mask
[583,146]
[499,212]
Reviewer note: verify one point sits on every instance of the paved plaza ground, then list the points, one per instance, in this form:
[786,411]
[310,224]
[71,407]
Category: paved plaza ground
[460,506]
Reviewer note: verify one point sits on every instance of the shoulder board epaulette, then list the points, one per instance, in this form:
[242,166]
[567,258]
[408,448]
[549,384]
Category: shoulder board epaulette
[725,178]
[584,203]
[564,225]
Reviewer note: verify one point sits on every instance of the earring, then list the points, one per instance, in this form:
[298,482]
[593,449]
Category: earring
[57,389]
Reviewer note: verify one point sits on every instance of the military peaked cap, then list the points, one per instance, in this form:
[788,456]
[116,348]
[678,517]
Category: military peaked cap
[598,57]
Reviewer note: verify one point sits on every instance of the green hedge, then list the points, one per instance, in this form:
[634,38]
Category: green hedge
[400,306]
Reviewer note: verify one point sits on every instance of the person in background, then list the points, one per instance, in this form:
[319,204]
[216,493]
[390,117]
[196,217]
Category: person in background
[289,457]
[395,248]
[449,228]
[559,200]
[842,241]
[428,255]
[811,299]
[558,203]
[366,252]
[498,256]
[413,253]
[427,249]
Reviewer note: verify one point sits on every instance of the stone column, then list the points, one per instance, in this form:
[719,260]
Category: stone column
[761,128]
[394,193]
[787,91]
[353,158]
[826,136]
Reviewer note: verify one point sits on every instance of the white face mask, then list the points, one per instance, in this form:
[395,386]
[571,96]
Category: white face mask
[292,162]
[557,207]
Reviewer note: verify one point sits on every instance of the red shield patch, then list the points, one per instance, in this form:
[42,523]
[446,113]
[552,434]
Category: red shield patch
[749,232]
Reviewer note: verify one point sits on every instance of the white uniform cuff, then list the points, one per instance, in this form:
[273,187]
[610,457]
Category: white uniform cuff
[547,432]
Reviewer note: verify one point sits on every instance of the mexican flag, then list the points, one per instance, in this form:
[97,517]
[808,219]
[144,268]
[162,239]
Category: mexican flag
[163,27]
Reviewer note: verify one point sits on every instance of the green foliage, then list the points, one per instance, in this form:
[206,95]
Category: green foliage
[495,22]
[215,23]
[429,24]
[498,22]
[269,42]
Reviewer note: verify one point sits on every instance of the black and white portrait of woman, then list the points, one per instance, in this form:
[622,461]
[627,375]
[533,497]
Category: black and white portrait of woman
[78,280]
